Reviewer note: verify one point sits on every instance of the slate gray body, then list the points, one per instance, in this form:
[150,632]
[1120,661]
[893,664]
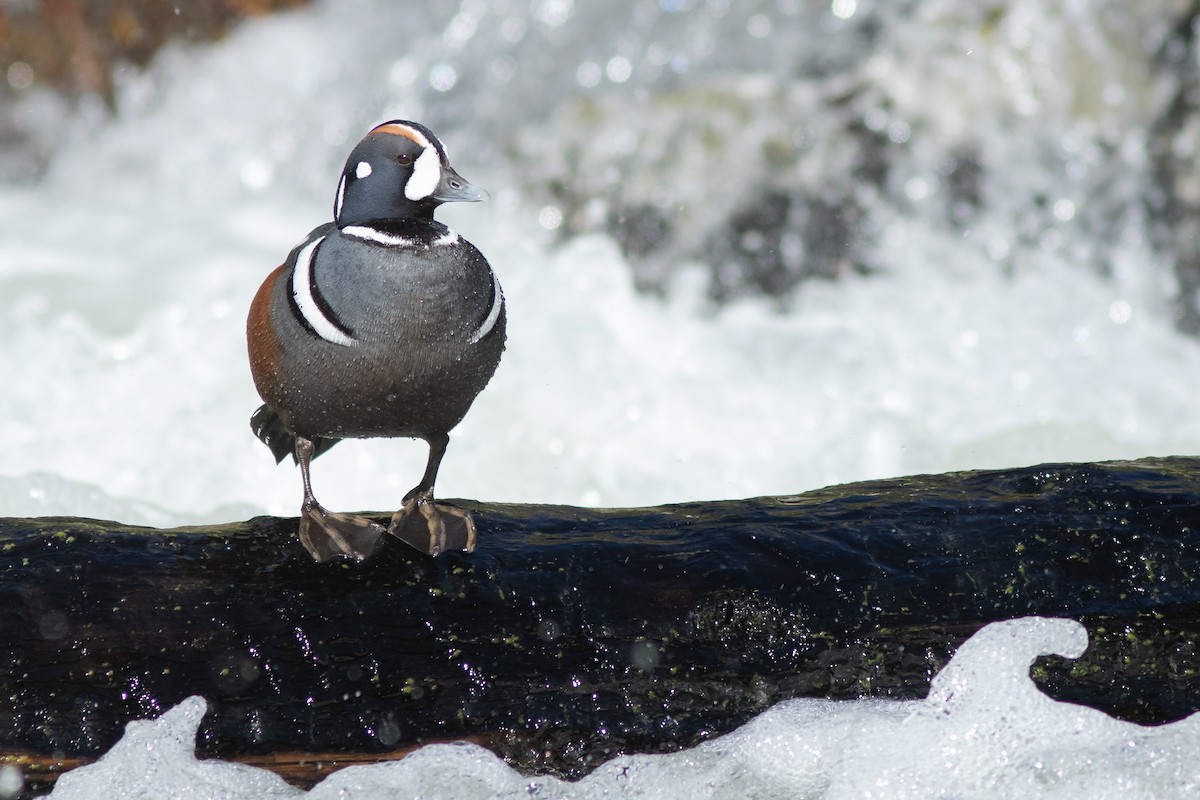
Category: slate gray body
[413,311]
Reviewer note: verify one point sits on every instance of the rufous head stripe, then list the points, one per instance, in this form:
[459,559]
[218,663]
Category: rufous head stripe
[401,130]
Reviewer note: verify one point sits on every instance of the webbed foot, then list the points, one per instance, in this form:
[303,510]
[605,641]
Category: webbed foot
[326,534]
[433,528]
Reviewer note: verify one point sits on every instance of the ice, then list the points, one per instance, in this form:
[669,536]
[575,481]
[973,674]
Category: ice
[985,731]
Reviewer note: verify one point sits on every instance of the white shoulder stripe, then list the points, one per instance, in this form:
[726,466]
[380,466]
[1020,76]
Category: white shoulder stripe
[379,237]
[493,312]
[307,304]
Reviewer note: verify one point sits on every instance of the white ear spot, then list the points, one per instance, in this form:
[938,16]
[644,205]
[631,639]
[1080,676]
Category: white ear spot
[362,170]
[427,171]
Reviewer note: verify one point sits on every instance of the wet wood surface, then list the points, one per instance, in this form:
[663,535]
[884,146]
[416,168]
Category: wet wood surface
[571,635]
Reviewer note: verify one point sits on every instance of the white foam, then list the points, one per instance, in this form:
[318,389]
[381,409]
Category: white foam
[125,343]
[985,732]
[157,759]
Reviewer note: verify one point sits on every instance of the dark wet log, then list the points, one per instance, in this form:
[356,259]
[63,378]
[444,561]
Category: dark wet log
[573,634]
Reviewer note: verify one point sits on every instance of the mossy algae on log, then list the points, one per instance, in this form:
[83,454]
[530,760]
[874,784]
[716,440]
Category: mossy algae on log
[573,634]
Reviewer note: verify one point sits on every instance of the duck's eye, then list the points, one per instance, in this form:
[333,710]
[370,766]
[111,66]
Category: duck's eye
[404,159]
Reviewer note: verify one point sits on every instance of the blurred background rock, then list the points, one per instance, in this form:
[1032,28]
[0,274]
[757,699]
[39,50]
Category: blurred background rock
[69,52]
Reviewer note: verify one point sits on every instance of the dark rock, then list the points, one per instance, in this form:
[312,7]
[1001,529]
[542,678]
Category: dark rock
[74,48]
[74,45]
[1173,203]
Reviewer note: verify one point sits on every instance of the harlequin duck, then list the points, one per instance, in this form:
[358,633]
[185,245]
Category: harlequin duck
[383,322]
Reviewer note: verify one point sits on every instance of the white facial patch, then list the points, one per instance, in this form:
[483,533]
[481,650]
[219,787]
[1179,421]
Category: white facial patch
[306,301]
[427,171]
[362,170]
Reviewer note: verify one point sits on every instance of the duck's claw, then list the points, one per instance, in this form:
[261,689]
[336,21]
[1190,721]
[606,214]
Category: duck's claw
[326,534]
[432,528]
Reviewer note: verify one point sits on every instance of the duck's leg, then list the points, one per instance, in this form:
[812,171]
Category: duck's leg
[425,525]
[326,534]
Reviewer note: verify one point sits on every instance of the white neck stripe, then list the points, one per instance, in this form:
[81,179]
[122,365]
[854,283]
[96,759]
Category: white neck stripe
[368,234]
[302,277]
[449,237]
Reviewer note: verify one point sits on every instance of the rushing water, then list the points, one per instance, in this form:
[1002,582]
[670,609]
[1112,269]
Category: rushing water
[999,301]
[747,249]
